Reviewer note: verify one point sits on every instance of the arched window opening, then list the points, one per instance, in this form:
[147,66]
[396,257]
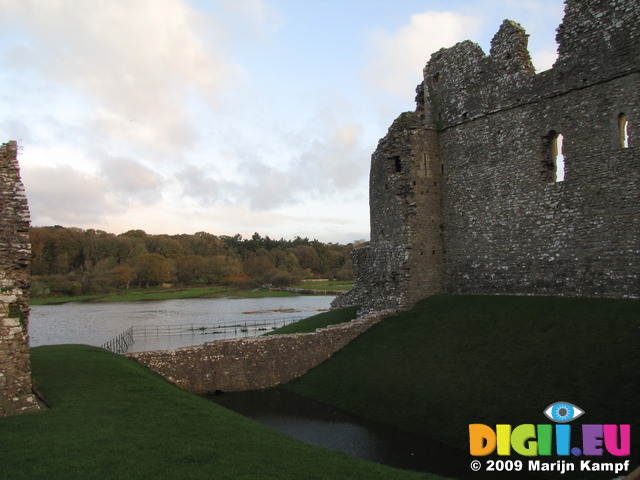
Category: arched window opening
[557,153]
[623,129]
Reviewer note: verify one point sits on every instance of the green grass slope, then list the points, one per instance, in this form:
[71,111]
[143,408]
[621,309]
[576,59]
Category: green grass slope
[321,320]
[114,419]
[456,360]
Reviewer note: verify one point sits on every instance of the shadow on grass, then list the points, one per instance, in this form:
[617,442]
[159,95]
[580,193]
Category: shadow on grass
[114,419]
[456,360]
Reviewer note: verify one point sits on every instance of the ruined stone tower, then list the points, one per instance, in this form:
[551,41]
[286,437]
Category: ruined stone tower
[504,181]
[15,371]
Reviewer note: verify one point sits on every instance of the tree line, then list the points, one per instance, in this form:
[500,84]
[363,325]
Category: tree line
[73,261]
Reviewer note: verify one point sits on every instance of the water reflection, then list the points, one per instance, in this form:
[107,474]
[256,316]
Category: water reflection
[324,425]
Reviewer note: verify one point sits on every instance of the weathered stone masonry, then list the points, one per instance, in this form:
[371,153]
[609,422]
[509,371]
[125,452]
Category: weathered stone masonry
[252,363]
[463,191]
[15,371]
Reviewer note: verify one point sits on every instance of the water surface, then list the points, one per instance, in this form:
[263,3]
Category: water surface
[97,323]
[324,425]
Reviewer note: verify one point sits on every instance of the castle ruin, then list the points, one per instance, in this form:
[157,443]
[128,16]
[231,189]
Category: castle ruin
[504,181]
[15,252]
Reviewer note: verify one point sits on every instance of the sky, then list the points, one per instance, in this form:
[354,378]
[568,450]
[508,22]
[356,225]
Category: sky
[223,116]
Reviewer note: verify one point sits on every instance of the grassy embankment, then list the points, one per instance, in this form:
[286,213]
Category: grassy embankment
[321,320]
[114,419]
[451,361]
[456,360]
[159,293]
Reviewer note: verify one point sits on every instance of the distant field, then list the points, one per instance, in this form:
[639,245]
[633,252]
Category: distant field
[158,293]
[135,294]
[328,285]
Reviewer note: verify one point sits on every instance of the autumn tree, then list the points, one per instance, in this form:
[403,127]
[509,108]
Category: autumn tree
[129,247]
[258,264]
[67,260]
[151,269]
[96,246]
[123,275]
[164,245]
[190,269]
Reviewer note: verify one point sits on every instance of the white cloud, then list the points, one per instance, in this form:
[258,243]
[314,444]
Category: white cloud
[71,196]
[135,62]
[331,159]
[544,59]
[198,182]
[131,178]
[66,196]
[267,186]
[400,56]
[132,111]
[337,160]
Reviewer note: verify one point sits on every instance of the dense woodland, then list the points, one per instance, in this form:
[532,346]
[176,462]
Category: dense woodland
[72,261]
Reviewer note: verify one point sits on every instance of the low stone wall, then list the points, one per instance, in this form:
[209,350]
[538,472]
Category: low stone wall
[252,363]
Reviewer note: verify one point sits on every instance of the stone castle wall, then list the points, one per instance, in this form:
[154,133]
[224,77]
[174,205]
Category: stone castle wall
[252,363]
[15,371]
[405,196]
[464,194]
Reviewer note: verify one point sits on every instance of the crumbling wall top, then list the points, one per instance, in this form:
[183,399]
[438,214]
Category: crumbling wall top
[598,35]
[597,42]
[509,50]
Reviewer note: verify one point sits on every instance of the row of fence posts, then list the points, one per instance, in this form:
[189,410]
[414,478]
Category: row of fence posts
[121,343]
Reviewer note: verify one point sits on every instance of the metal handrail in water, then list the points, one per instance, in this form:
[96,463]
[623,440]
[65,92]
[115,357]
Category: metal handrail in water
[121,343]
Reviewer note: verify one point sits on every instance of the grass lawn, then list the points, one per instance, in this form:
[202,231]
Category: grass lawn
[328,285]
[321,320]
[158,293]
[456,360]
[449,362]
[114,419]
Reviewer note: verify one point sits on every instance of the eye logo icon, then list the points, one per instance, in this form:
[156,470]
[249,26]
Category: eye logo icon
[563,412]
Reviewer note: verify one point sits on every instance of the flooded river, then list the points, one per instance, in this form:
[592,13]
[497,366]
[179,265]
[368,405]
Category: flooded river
[97,323]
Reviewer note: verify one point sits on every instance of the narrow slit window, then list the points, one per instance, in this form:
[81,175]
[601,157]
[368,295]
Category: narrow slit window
[623,129]
[397,164]
[557,152]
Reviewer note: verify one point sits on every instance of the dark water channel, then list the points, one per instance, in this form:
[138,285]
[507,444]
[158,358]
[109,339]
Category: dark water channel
[324,425]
